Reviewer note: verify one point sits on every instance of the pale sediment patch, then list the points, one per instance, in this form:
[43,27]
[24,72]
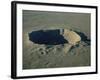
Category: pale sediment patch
[71,36]
[67,47]
[27,41]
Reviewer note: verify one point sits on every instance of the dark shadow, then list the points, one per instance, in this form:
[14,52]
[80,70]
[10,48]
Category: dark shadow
[50,37]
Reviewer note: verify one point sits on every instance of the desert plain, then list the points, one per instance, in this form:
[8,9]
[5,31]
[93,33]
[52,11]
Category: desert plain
[38,56]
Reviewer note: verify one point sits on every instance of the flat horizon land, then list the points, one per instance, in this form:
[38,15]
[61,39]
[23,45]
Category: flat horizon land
[37,56]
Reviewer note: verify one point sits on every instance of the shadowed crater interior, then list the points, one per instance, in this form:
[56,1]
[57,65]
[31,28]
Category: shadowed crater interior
[50,37]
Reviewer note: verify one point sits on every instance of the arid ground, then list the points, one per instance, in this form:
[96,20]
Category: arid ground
[37,56]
